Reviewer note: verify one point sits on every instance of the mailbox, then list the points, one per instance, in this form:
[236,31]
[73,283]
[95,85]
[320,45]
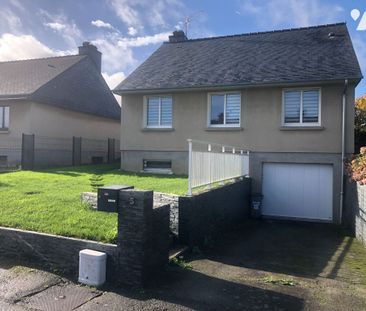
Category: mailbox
[108,197]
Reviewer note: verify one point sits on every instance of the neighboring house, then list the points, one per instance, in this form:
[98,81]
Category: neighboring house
[278,94]
[55,99]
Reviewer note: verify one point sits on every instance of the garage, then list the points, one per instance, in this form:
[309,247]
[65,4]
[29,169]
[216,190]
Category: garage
[301,191]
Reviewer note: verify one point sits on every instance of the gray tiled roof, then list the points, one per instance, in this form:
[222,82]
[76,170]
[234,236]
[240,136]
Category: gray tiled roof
[293,55]
[70,82]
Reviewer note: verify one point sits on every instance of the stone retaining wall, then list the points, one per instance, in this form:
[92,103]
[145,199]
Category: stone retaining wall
[159,199]
[90,198]
[354,212]
[164,198]
[204,216]
[52,251]
[142,243]
[143,232]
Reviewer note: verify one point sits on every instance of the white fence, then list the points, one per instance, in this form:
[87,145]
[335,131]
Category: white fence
[209,163]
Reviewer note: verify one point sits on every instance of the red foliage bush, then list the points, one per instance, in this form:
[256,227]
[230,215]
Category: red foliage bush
[356,167]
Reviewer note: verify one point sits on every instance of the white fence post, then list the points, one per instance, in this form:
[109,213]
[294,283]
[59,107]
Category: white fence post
[209,166]
[190,167]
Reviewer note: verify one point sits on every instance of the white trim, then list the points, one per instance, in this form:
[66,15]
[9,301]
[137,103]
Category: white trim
[5,118]
[166,171]
[301,124]
[144,119]
[225,93]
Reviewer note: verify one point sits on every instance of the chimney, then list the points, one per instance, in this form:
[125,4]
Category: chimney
[178,36]
[93,53]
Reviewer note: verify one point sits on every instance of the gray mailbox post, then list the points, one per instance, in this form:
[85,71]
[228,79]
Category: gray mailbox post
[108,197]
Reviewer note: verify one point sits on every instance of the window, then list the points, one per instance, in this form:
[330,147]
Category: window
[157,166]
[4,118]
[301,107]
[159,111]
[224,109]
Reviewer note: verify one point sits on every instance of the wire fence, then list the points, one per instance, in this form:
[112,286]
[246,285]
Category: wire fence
[209,163]
[36,151]
[10,151]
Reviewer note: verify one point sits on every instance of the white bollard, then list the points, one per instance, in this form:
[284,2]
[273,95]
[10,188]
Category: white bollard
[92,267]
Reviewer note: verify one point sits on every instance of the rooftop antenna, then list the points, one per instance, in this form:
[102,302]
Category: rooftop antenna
[188,19]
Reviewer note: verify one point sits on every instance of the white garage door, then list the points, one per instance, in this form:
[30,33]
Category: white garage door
[298,190]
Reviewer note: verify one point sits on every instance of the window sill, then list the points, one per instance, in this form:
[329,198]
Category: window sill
[223,128]
[301,128]
[157,129]
[161,171]
[5,131]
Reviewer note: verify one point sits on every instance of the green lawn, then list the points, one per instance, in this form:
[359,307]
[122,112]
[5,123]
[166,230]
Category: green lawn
[49,200]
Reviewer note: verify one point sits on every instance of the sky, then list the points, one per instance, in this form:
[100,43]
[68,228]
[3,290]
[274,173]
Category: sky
[129,31]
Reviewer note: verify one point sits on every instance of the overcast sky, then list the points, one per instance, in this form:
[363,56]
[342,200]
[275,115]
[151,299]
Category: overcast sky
[128,31]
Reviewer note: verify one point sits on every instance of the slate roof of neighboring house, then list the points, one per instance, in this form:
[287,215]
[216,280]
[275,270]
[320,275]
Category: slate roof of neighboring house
[283,56]
[71,82]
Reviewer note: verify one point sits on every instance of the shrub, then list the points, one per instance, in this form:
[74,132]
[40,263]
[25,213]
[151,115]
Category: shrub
[356,167]
[96,181]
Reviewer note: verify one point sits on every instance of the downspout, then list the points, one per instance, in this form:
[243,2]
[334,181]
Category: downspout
[344,100]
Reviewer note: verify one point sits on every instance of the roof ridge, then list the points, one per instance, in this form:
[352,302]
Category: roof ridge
[260,32]
[41,58]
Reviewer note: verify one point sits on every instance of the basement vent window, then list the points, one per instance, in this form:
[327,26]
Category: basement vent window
[157,166]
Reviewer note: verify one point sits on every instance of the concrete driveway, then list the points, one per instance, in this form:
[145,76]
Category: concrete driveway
[260,266]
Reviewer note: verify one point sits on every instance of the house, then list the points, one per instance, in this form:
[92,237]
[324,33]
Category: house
[55,99]
[280,94]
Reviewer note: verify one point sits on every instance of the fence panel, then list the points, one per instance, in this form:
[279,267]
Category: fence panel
[52,151]
[36,151]
[10,151]
[94,151]
[211,163]
[117,149]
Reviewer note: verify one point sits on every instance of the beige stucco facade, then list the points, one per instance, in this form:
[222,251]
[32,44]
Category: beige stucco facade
[260,129]
[53,121]
[55,125]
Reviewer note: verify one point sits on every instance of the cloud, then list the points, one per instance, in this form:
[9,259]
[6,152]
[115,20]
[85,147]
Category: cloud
[17,4]
[100,24]
[114,79]
[14,47]
[9,21]
[55,26]
[114,57]
[290,13]
[141,14]
[118,50]
[125,12]
[66,28]
[132,31]
[143,41]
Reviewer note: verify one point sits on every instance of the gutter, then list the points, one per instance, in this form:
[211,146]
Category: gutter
[356,80]
[341,196]
[15,97]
